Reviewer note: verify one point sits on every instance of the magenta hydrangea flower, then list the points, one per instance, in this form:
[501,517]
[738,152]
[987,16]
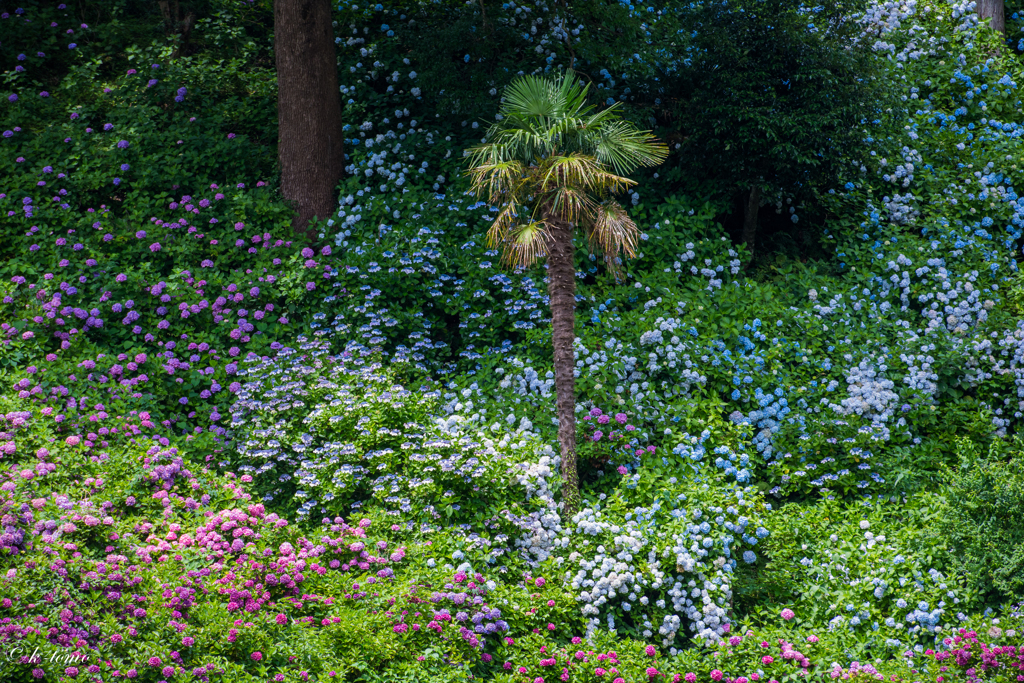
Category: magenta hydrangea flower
[788,614]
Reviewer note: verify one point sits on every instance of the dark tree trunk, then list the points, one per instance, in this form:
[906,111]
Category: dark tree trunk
[994,10]
[750,218]
[562,291]
[310,140]
[170,10]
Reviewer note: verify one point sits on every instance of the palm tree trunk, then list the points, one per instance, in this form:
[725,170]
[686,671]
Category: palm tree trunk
[562,292]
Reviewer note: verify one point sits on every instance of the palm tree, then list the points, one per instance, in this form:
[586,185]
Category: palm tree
[552,163]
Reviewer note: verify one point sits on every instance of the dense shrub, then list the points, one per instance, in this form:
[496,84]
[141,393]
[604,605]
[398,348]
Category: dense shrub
[986,502]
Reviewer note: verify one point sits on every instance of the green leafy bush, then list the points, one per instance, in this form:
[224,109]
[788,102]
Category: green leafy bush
[984,513]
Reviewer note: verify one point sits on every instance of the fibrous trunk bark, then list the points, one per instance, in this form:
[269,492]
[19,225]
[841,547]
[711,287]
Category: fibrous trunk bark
[310,139]
[993,10]
[750,218]
[562,292]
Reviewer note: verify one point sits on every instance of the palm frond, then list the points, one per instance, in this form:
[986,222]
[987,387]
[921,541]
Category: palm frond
[498,181]
[531,97]
[526,244]
[613,231]
[570,170]
[585,133]
[603,183]
[572,95]
[623,147]
[572,205]
[501,229]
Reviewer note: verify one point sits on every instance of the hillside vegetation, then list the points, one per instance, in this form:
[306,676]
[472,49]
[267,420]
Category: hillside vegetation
[231,452]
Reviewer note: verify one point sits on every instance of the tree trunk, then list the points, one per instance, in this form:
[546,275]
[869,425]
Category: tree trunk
[562,292]
[750,218]
[310,140]
[186,31]
[992,9]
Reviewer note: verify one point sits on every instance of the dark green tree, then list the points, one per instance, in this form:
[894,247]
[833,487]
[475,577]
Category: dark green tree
[768,96]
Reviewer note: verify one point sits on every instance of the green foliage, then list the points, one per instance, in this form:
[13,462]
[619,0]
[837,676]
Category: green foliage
[773,96]
[877,573]
[986,504]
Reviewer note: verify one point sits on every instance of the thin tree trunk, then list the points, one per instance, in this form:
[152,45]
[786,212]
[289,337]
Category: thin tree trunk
[750,218]
[562,292]
[994,10]
[310,140]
